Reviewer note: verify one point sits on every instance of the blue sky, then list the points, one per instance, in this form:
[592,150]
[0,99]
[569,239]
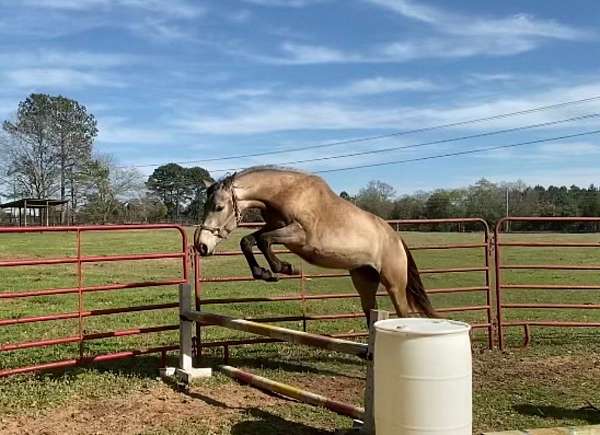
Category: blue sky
[185,80]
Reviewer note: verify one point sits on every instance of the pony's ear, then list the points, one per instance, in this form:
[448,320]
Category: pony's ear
[207,183]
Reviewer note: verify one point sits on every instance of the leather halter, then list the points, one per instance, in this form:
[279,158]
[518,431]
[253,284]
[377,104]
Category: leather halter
[222,232]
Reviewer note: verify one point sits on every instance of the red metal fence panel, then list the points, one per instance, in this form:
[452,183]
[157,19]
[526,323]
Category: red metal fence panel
[78,261]
[504,284]
[492,312]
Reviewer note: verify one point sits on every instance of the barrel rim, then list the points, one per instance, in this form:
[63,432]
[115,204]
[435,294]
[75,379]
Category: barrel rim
[412,324]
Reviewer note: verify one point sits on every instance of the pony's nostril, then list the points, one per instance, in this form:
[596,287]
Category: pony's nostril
[203,249]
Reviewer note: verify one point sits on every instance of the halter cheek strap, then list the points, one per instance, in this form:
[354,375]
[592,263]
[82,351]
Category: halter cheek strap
[222,232]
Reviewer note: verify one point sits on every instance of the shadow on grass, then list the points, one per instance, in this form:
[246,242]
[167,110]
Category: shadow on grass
[266,423]
[277,364]
[142,367]
[588,414]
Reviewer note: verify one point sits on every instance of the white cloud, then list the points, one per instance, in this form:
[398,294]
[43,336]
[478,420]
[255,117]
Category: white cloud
[63,78]
[381,85]
[240,16]
[66,4]
[394,52]
[160,30]
[300,53]
[518,25]
[64,70]
[372,86]
[562,150]
[270,116]
[174,8]
[67,59]
[284,3]
[492,77]
[119,130]
[456,36]
[233,94]
[359,88]
[545,152]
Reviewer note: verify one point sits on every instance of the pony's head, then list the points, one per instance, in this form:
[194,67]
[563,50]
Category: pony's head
[221,216]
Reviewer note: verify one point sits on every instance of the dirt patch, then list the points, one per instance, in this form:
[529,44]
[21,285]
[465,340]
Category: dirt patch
[136,412]
[340,388]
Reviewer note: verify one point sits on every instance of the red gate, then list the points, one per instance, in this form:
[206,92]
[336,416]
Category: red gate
[505,308]
[80,290]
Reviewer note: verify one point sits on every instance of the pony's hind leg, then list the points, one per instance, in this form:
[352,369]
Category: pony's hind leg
[366,282]
[394,281]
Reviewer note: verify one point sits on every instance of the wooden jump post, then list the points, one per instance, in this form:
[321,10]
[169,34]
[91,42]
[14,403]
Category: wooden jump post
[186,372]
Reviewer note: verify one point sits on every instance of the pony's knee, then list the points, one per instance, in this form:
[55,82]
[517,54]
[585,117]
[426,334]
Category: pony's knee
[247,242]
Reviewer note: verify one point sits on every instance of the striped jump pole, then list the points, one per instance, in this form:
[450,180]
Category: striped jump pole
[286,390]
[289,335]
[186,372]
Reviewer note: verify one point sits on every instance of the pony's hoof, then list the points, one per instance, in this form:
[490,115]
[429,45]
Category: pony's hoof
[288,269]
[265,275]
[271,278]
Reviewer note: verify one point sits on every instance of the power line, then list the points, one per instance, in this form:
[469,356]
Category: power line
[436,142]
[458,153]
[382,136]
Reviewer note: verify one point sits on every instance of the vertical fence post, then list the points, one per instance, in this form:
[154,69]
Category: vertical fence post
[498,279]
[185,328]
[195,258]
[368,427]
[186,371]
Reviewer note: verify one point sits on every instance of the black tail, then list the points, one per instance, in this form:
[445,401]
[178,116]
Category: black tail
[415,291]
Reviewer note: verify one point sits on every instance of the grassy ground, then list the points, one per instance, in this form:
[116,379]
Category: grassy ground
[543,385]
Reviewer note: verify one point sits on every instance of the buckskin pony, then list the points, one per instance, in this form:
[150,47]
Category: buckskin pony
[302,213]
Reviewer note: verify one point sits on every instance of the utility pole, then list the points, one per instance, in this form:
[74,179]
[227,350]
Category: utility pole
[507,228]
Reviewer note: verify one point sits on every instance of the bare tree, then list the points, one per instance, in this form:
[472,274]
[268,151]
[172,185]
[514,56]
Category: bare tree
[30,163]
[46,144]
[107,188]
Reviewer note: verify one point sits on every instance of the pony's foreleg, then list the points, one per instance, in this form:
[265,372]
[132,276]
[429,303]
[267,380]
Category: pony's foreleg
[276,265]
[258,272]
[290,234]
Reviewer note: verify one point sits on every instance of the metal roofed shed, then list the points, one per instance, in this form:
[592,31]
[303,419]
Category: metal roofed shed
[34,211]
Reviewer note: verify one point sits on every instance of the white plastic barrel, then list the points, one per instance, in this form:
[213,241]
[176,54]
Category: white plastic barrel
[422,377]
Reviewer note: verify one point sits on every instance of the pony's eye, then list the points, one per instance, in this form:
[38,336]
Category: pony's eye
[219,208]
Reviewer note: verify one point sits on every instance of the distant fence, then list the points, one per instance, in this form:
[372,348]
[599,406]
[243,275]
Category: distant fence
[504,284]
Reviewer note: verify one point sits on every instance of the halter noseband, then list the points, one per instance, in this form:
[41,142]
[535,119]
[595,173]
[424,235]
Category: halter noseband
[222,232]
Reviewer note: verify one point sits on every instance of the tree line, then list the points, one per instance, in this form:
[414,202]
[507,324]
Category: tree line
[47,151]
[484,199]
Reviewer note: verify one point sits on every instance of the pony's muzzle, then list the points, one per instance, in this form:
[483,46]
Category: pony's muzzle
[202,249]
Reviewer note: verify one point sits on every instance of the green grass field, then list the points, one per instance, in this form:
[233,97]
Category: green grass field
[542,385]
